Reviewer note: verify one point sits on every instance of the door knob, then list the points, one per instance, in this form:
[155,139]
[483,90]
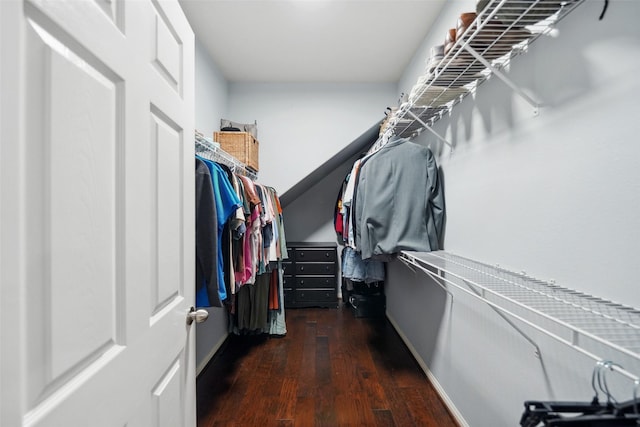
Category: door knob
[198,315]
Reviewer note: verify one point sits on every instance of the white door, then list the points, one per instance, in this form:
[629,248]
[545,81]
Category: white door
[96,214]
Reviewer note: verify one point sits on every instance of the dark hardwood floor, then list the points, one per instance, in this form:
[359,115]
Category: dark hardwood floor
[331,369]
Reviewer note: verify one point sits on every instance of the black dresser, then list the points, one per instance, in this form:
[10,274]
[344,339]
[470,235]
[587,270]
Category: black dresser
[311,275]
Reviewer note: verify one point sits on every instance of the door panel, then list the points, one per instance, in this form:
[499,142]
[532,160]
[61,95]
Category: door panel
[71,234]
[167,395]
[167,147]
[168,51]
[114,9]
[97,260]
[82,205]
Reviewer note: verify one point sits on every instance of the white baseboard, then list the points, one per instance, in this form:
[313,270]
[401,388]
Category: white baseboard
[208,357]
[443,395]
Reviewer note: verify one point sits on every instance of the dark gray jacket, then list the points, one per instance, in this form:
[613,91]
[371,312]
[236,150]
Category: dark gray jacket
[399,201]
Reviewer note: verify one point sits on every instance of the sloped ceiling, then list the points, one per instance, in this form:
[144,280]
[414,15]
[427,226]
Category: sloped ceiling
[359,145]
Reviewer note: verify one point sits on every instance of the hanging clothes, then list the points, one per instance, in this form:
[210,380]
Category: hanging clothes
[206,239]
[253,237]
[234,227]
[259,304]
[347,204]
[226,202]
[353,266]
[238,229]
[277,324]
[277,252]
[356,269]
[240,247]
[339,216]
[399,201]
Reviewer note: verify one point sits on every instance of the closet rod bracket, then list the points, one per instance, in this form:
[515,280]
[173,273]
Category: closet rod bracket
[505,79]
[437,277]
[427,127]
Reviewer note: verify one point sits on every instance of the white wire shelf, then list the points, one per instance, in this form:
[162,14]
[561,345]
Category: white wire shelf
[213,152]
[501,31]
[596,327]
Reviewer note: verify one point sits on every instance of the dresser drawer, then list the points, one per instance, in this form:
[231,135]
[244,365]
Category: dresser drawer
[315,255]
[316,282]
[291,253]
[289,297]
[315,268]
[287,268]
[288,282]
[310,275]
[315,295]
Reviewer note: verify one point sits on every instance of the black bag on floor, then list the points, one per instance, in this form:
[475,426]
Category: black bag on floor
[367,305]
[362,288]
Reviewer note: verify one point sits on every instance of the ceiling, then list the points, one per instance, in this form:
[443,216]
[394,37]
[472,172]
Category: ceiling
[291,41]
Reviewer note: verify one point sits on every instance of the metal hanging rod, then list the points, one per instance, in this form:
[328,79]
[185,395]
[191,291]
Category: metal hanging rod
[213,152]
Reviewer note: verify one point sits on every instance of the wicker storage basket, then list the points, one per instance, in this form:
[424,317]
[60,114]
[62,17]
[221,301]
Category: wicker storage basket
[241,145]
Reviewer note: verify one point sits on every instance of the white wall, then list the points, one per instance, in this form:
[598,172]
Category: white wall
[556,195]
[300,126]
[309,218]
[212,93]
[211,105]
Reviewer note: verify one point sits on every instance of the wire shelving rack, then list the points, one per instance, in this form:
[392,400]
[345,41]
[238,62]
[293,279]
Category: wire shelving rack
[502,30]
[598,328]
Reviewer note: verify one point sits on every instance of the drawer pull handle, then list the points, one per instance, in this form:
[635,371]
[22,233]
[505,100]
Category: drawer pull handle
[301,253]
[301,268]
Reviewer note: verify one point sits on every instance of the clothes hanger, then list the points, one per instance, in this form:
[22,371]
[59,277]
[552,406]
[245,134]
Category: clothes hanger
[636,384]
[551,412]
[597,420]
[537,411]
[615,414]
[623,414]
[609,366]
[632,406]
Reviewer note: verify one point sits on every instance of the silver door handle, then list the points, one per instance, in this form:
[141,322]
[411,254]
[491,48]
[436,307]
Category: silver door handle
[198,315]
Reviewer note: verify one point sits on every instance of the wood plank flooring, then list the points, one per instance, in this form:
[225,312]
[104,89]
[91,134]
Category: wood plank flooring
[331,369]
